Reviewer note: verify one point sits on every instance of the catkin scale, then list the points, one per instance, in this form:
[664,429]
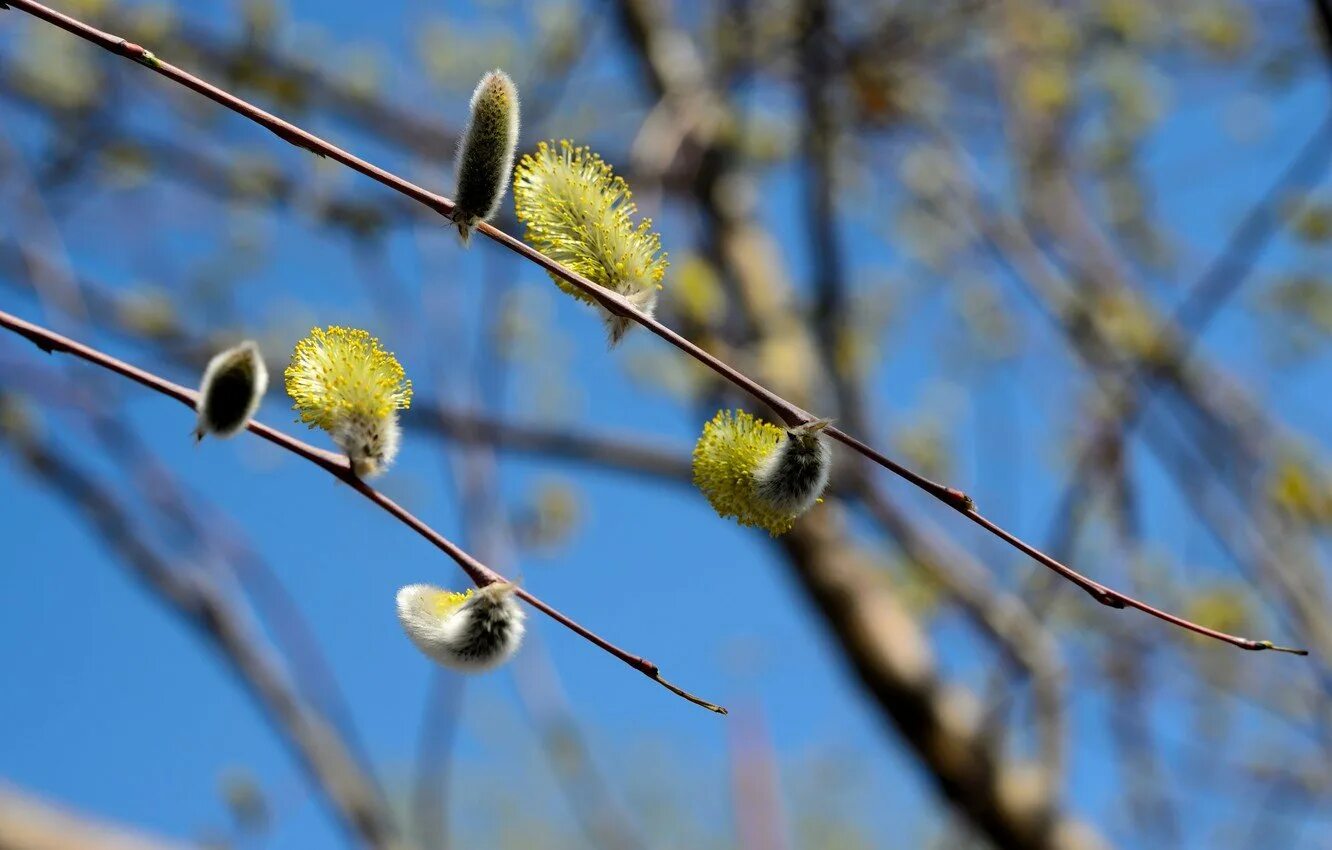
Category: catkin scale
[234,383]
[472,631]
[485,152]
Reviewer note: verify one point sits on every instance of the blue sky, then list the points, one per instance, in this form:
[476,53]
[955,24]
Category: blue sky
[113,707]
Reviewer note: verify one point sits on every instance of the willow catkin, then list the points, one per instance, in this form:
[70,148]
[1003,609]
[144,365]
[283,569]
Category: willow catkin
[343,381]
[233,385]
[485,152]
[472,631]
[762,475]
[580,214]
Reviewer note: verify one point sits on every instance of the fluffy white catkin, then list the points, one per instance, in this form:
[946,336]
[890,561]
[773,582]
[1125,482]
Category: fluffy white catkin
[762,475]
[473,631]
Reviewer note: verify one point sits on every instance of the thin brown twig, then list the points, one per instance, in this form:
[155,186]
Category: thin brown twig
[58,287]
[614,303]
[312,739]
[337,466]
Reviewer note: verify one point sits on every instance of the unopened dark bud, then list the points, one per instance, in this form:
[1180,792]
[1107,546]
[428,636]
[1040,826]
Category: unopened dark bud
[233,385]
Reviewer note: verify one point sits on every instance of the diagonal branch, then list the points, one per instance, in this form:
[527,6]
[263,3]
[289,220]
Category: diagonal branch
[315,742]
[337,466]
[1008,801]
[614,303]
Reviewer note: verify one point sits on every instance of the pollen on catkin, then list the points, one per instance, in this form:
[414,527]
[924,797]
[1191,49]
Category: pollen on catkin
[234,382]
[580,214]
[485,152]
[762,475]
[343,381]
[472,631]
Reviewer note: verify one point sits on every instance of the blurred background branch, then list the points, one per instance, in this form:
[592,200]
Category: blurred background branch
[1069,254]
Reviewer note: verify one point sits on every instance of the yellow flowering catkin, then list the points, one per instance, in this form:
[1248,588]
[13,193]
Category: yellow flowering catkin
[343,381]
[580,214]
[763,476]
[485,153]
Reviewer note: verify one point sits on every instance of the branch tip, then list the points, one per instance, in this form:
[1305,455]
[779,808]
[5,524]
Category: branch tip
[681,692]
[1267,644]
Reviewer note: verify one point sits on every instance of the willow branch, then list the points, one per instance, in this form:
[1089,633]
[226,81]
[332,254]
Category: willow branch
[614,303]
[1013,248]
[314,742]
[337,466]
[1006,617]
[1004,798]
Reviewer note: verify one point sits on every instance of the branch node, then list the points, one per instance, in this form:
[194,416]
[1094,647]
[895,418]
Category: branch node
[1105,597]
[959,500]
[293,138]
[138,53]
[37,340]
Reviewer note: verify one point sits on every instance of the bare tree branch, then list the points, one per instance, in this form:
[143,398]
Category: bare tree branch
[1009,803]
[313,741]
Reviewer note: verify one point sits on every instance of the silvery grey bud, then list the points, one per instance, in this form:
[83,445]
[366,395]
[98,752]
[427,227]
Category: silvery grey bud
[485,153]
[233,385]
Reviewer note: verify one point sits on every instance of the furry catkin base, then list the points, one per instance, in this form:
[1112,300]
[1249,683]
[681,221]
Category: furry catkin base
[370,443]
[793,478]
[645,300]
